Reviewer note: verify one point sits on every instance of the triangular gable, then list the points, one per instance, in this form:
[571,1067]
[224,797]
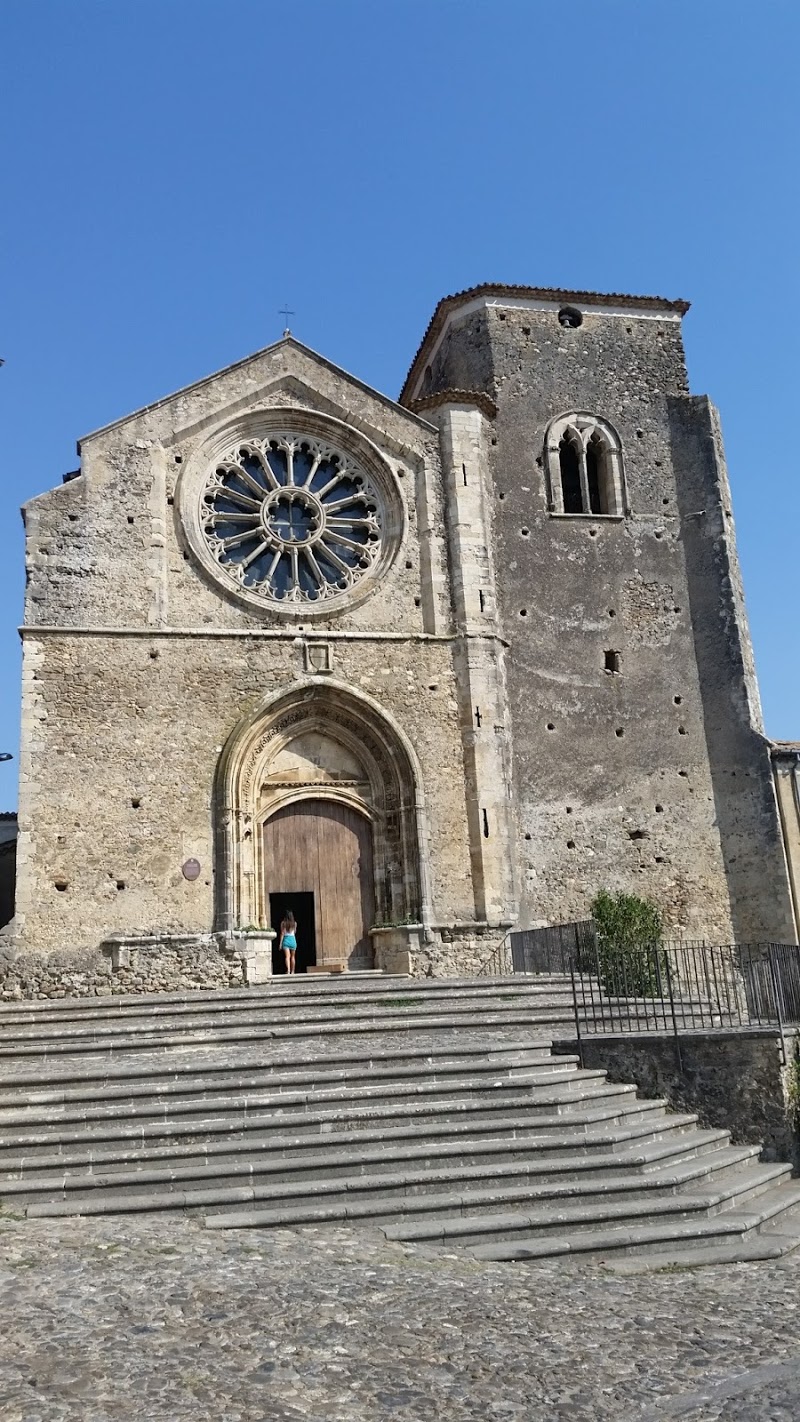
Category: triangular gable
[246,401]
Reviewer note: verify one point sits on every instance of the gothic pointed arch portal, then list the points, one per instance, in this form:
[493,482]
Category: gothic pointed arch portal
[321,781]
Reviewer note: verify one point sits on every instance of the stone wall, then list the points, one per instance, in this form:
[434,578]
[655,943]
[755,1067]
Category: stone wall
[460,950]
[142,720]
[653,777]
[137,667]
[209,962]
[87,972]
[745,805]
[734,1080]
[109,548]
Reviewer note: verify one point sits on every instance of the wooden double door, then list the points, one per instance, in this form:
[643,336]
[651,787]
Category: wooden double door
[320,851]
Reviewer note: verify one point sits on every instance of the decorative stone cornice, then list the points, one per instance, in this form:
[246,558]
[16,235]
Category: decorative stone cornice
[479,398]
[33,631]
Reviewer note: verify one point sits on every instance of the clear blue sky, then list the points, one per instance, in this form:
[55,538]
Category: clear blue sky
[173,171]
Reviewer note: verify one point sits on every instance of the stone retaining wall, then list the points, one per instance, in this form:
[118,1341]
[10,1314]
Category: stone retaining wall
[734,1079]
[170,963]
[168,967]
[440,951]
[454,953]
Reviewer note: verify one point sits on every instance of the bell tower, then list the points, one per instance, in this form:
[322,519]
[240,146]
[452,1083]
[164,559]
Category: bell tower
[630,699]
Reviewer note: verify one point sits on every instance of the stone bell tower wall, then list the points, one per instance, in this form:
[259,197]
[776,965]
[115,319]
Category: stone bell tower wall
[745,798]
[629,673]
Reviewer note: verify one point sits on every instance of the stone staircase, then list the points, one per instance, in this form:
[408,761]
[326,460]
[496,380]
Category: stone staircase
[433,1109]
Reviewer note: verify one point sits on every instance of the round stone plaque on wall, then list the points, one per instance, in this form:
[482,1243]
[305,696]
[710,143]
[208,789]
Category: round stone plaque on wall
[191,869]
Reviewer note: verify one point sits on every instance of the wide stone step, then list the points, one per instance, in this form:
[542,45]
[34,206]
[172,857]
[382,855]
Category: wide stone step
[315,1109]
[287,1003]
[752,1248]
[189,1025]
[304,1050]
[417,1184]
[300,988]
[264,1147]
[269,1011]
[595,1212]
[55,1106]
[765,1213]
[277,1067]
[472,1085]
[205,1122]
[117,1042]
[631,1152]
[301,1160]
[379,1206]
[648,1156]
[255,1132]
[414,1094]
[435,1079]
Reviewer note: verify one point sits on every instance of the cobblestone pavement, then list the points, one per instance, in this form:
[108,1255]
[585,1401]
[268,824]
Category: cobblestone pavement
[162,1321]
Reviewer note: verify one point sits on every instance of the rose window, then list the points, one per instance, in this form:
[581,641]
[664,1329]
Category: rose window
[291,520]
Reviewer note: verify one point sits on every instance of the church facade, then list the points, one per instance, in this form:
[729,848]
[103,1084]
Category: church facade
[421,669]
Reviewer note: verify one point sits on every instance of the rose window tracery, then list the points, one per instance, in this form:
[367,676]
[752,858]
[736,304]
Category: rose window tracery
[290,519]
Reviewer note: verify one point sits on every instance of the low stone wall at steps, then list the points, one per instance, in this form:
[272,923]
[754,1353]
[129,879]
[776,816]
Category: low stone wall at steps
[217,961]
[460,950]
[734,1079]
[175,966]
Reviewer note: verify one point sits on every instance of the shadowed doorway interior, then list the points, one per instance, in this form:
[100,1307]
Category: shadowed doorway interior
[302,906]
[322,850]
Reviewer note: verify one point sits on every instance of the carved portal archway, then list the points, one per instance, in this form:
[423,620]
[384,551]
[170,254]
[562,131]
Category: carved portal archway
[319,742]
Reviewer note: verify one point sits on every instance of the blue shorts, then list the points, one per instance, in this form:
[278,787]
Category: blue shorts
[289,942]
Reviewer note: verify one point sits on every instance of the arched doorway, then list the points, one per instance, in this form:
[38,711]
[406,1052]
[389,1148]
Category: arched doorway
[318,861]
[321,773]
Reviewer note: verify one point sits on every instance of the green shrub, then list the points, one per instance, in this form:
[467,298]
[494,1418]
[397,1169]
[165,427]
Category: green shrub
[630,960]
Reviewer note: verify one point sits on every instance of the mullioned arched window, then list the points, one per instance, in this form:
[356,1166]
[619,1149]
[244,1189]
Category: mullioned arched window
[583,462]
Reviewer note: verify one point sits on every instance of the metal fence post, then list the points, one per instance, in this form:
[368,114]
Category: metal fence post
[778,1009]
[676,1038]
[577,1016]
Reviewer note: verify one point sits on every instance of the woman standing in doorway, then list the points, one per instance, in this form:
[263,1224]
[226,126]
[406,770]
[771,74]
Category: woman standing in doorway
[289,939]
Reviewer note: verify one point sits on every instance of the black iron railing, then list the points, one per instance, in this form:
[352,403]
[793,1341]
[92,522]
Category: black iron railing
[678,987]
[670,986]
[499,963]
[561,948]
[557,949]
